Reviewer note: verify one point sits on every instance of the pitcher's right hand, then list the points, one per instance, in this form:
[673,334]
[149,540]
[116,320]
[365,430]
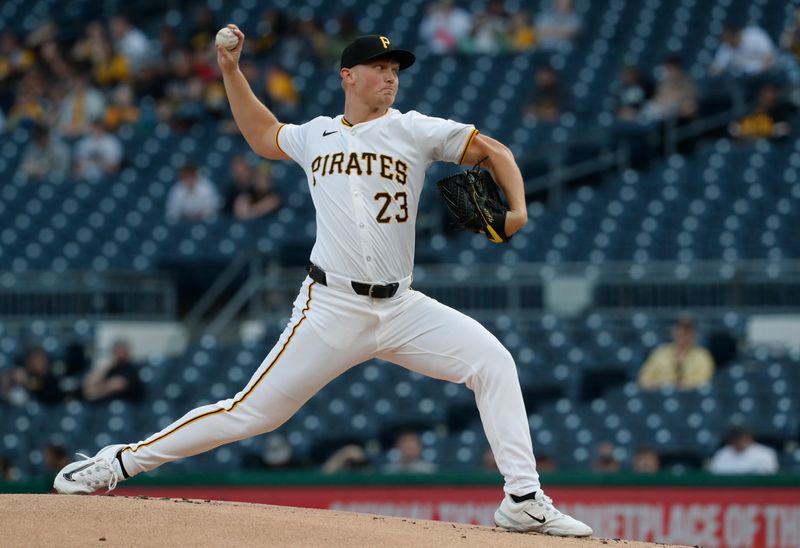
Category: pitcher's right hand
[228,59]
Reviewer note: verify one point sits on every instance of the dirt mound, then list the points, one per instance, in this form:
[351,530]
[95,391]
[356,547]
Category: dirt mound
[59,520]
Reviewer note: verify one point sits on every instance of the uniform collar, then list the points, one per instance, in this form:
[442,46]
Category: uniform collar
[347,123]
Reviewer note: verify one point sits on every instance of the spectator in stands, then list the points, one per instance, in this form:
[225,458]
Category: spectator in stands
[193,197]
[15,60]
[130,42]
[349,458]
[282,96]
[742,455]
[54,457]
[676,94]
[203,66]
[260,198]
[83,50]
[604,459]
[33,379]
[483,37]
[109,67]
[300,43]
[521,31]
[406,456]
[204,30]
[8,471]
[82,106]
[558,26]
[51,59]
[681,363]
[122,110]
[630,93]
[115,379]
[45,157]
[240,180]
[745,51]
[151,75]
[215,101]
[271,29]
[182,104]
[189,105]
[28,108]
[445,27]
[646,461]
[346,32]
[318,40]
[769,120]
[98,154]
[165,45]
[44,32]
[181,65]
[489,33]
[549,99]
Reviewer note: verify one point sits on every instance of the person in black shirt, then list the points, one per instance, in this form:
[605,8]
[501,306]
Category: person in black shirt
[240,181]
[34,379]
[549,99]
[116,379]
[769,119]
[630,93]
[258,200]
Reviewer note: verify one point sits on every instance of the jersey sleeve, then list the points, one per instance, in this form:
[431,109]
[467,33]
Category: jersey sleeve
[291,140]
[441,140]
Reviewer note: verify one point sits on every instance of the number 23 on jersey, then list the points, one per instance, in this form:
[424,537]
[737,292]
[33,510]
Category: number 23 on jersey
[387,198]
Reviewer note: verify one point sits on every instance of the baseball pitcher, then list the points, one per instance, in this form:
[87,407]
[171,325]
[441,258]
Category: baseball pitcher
[365,169]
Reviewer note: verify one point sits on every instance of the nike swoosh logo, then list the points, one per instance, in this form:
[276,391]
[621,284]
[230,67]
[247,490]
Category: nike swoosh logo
[326,133]
[68,475]
[540,520]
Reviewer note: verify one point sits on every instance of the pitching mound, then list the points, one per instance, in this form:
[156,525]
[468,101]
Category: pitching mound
[59,520]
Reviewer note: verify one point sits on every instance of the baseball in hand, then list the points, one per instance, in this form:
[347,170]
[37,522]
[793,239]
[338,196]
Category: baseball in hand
[226,38]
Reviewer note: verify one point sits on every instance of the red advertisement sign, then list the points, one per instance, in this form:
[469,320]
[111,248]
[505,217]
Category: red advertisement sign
[710,517]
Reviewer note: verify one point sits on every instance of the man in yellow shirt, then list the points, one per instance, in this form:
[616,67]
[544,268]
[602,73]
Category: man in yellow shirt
[681,363]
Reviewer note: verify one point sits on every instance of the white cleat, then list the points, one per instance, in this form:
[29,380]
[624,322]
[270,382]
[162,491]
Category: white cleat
[538,515]
[92,473]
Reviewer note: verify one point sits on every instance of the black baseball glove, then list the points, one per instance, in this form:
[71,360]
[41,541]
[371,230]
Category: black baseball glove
[474,202]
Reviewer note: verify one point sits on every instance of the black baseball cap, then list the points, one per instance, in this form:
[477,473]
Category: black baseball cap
[371,46]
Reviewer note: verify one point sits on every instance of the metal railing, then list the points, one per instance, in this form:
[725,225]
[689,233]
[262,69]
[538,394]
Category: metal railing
[561,172]
[520,291]
[66,295]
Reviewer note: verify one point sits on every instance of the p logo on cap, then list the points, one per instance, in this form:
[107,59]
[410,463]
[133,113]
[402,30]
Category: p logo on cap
[371,46]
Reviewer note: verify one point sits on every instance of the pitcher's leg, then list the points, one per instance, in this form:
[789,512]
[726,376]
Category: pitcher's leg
[295,369]
[435,340]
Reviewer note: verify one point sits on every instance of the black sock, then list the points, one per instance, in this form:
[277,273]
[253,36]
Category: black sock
[529,496]
[122,465]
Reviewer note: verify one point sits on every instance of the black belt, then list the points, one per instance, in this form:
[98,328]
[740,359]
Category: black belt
[375,291]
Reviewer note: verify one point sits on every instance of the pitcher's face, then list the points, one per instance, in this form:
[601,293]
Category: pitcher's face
[375,82]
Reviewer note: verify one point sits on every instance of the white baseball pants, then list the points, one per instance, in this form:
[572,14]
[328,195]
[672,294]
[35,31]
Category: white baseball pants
[330,331]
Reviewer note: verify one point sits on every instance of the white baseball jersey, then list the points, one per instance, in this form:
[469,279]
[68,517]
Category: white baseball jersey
[366,181]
